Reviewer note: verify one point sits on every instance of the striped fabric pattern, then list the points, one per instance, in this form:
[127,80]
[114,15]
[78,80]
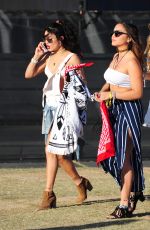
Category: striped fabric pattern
[126,115]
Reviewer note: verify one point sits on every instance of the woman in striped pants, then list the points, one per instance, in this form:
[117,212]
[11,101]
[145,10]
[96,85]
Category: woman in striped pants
[124,87]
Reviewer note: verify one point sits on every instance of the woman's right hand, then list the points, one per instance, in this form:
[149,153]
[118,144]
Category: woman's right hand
[36,66]
[39,51]
[97,96]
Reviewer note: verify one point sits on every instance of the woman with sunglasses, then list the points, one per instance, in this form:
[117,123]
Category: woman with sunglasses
[59,49]
[124,87]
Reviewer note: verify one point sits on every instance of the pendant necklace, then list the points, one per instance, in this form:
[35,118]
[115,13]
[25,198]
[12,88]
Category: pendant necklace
[59,52]
[116,62]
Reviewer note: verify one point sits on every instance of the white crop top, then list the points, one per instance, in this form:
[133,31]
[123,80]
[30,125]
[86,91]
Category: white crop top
[51,88]
[115,77]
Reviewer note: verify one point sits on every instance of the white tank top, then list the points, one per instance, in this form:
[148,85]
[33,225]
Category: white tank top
[51,88]
[115,77]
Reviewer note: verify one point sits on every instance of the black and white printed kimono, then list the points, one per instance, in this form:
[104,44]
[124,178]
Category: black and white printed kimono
[70,116]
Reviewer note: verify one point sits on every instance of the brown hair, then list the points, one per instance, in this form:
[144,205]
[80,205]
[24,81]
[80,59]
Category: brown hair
[147,49]
[135,44]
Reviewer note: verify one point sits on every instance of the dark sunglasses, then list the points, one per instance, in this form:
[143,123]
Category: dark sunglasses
[49,40]
[45,38]
[117,33]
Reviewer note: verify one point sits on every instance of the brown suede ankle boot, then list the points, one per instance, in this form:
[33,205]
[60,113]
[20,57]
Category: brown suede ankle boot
[82,189]
[48,200]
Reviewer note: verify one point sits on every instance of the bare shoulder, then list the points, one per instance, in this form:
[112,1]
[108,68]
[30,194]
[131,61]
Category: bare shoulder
[132,60]
[74,60]
[133,66]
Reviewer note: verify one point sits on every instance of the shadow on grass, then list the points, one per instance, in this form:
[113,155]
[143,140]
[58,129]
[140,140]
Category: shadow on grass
[141,214]
[91,202]
[93,225]
[147,197]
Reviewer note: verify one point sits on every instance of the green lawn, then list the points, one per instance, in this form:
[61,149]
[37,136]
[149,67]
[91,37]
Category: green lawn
[21,187]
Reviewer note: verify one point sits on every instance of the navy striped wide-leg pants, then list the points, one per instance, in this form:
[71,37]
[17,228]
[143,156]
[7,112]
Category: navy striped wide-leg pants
[125,116]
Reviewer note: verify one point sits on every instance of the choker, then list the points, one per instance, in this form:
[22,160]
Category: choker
[121,51]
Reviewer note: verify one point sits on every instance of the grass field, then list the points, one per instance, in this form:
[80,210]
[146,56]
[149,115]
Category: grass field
[21,187]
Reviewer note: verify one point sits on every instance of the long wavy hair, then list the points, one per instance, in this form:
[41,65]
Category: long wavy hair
[147,49]
[147,55]
[67,33]
[135,44]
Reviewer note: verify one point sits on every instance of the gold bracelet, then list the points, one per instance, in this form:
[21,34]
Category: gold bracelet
[109,101]
[110,95]
[34,61]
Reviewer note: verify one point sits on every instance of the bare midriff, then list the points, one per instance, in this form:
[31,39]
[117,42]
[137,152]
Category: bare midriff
[115,88]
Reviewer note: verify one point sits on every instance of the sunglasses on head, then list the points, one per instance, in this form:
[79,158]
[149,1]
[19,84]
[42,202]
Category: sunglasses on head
[117,33]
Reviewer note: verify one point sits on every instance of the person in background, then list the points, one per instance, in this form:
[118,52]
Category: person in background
[58,49]
[147,77]
[124,88]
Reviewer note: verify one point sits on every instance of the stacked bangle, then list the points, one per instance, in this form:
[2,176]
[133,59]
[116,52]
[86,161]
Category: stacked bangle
[109,101]
[110,95]
[34,61]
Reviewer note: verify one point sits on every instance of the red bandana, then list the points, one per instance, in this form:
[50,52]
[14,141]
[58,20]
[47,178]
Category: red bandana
[81,65]
[106,146]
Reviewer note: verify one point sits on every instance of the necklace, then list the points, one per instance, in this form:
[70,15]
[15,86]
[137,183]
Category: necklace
[117,61]
[121,51]
[57,54]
